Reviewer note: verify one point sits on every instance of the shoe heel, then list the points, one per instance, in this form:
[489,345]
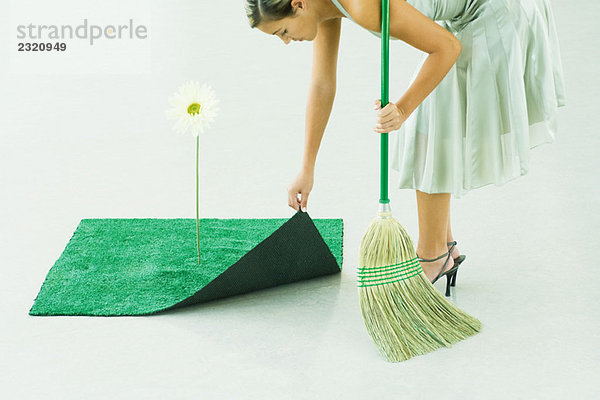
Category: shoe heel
[453,283]
[448,285]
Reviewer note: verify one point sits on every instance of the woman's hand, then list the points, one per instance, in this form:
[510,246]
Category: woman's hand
[390,118]
[302,185]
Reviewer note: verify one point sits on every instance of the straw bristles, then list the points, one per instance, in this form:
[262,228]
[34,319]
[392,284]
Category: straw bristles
[403,313]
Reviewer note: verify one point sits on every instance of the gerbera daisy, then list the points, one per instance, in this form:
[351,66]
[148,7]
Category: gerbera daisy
[194,107]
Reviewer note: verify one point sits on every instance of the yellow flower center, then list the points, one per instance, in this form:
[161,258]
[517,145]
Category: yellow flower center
[194,108]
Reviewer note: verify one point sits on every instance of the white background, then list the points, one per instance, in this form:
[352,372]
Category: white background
[93,142]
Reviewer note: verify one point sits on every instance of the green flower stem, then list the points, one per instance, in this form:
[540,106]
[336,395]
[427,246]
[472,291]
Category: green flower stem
[197,200]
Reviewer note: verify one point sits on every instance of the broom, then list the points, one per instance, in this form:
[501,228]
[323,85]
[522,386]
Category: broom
[403,312]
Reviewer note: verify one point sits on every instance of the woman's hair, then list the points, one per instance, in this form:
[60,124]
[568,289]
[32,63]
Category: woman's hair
[259,11]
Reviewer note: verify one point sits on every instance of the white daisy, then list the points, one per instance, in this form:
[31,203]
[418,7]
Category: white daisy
[194,107]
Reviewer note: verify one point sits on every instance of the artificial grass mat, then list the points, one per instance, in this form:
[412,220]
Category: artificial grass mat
[141,266]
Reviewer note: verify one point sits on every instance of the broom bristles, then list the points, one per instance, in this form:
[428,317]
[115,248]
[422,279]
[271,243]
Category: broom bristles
[403,313]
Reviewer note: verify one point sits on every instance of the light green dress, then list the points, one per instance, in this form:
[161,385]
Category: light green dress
[499,99]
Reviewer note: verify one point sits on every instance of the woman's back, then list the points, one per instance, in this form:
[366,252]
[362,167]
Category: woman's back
[457,12]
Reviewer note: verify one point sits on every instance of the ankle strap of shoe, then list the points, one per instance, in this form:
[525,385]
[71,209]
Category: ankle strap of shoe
[433,259]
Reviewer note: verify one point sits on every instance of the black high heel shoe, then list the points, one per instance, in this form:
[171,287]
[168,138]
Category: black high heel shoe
[450,274]
[457,261]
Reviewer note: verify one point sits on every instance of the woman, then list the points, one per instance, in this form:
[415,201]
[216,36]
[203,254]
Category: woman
[486,92]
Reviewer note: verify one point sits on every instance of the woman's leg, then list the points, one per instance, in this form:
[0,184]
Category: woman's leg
[449,238]
[434,212]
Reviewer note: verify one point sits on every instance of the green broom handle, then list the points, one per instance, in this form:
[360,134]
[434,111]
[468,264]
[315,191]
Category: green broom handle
[385,39]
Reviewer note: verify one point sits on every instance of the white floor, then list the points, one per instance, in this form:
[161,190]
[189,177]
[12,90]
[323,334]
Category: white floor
[96,144]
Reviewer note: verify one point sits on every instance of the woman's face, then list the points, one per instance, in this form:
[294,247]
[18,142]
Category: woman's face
[301,27]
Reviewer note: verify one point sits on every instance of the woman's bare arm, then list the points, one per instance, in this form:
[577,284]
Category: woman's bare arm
[322,88]
[411,26]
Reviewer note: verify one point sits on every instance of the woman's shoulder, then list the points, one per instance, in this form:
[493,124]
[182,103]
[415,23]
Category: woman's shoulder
[366,13]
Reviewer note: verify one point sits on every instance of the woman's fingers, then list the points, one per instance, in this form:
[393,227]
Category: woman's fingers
[292,202]
[384,119]
[386,114]
[389,118]
[298,200]
[389,109]
[304,201]
[299,190]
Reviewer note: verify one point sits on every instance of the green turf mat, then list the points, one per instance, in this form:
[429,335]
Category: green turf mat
[140,266]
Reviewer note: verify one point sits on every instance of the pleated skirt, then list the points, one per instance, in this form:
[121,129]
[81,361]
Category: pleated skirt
[499,100]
